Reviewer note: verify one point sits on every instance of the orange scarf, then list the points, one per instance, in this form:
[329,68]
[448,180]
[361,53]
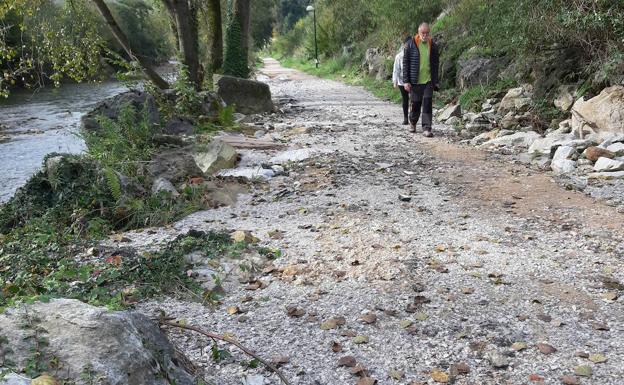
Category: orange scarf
[418,40]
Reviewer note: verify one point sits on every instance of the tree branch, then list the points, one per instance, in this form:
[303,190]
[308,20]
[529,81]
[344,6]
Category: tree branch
[271,367]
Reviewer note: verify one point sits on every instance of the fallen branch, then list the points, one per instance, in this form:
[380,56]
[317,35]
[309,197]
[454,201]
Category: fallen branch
[271,367]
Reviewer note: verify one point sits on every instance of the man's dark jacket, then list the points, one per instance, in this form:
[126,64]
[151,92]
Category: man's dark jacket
[411,62]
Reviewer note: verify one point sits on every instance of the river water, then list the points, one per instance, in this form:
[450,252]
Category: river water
[43,122]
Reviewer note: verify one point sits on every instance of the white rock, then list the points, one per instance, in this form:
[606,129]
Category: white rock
[617,148]
[218,156]
[544,146]
[450,111]
[453,121]
[563,166]
[518,139]
[250,173]
[565,152]
[565,97]
[608,165]
[604,112]
[606,175]
[162,184]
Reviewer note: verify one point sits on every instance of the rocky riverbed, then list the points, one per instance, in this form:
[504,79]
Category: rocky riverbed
[423,260]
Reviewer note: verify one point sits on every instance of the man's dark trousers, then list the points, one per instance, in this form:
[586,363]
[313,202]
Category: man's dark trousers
[422,97]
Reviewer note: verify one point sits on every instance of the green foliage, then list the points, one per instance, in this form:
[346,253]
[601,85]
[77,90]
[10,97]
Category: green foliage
[234,58]
[146,27]
[114,185]
[47,40]
[43,41]
[122,144]
[471,99]
[45,267]
[187,99]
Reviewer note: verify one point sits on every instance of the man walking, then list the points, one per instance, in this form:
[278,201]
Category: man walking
[420,74]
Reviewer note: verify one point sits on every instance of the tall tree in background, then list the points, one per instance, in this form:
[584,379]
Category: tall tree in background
[236,58]
[123,41]
[184,14]
[215,35]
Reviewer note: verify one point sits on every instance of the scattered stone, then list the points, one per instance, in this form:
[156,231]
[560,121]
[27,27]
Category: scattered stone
[566,95]
[439,376]
[498,361]
[219,155]
[163,185]
[244,236]
[360,339]
[606,175]
[593,153]
[347,361]
[608,165]
[597,358]
[450,111]
[583,371]
[570,380]
[616,148]
[546,348]
[518,139]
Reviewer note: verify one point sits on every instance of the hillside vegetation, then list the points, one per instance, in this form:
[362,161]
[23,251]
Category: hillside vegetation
[546,43]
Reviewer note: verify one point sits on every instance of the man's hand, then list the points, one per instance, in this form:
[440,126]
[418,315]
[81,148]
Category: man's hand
[436,88]
[408,87]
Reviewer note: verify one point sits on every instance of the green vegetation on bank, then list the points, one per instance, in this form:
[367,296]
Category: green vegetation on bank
[50,229]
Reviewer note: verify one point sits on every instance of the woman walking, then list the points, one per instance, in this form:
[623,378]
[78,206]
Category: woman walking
[397,79]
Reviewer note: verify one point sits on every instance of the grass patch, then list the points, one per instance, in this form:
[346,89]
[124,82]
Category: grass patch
[472,98]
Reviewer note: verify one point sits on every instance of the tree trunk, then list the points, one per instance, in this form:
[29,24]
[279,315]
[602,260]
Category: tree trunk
[215,35]
[184,15]
[125,44]
[242,11]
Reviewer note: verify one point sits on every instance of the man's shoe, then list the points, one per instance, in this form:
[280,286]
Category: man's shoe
[405,122]
[413,127]
[428,134]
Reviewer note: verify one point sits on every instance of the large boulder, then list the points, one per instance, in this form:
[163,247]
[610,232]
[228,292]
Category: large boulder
[218,156]
[177,166]
[89,343]
[478,71]
[603,113]
[111,108]
[248,96]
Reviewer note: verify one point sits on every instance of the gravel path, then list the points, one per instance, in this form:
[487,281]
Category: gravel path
[469,262]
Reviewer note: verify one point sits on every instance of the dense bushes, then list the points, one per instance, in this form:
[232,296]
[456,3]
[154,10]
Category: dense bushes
[535,36]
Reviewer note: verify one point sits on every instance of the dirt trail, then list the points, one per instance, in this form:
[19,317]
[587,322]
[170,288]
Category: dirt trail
[458,255]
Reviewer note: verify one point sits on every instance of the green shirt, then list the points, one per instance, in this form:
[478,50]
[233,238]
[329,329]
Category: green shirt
[424,73]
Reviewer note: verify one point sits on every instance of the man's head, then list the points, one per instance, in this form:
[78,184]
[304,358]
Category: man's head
[423,31]
[405,41]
